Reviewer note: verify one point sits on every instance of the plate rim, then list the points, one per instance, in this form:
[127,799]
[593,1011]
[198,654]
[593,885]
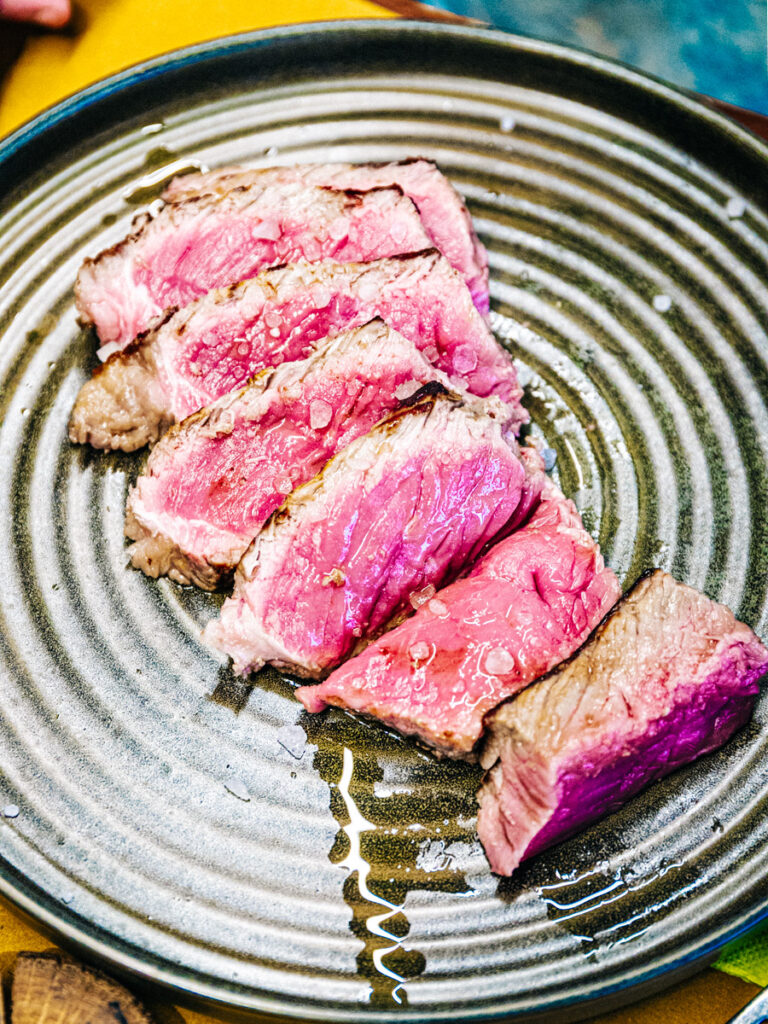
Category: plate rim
[90,94]
[182,984]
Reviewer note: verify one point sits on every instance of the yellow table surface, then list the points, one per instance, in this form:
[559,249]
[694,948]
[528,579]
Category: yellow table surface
[114,35]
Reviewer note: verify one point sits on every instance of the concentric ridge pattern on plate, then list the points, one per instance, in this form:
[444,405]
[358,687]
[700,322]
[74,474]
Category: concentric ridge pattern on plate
[637,312]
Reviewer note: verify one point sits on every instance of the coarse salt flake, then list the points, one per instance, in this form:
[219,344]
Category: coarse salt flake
[420,597]
[367,289]
[507,123]
[312,250]
[293,739]
[662,303]
[106,350]
[498,662]
[437,608]
[735,207]
[238,788]
[283,485]
[419,651]
[406,389]
[320,414]
[549,457]
[11,811]
[464,359]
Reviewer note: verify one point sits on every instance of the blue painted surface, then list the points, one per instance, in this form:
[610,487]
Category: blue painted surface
[713,46]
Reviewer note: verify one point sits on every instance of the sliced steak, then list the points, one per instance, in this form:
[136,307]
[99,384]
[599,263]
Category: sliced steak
[208,241]
[443,213]
[218,342]
[524,607]
[407,505]
[213,480]
[666,677]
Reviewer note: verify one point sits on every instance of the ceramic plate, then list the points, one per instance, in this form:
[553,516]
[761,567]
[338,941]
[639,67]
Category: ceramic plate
[204,832]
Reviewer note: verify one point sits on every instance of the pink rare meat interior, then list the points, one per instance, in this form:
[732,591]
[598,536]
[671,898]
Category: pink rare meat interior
[219,342]
[192,246]
[523,608]
[667,677]
[443,213]
[407,505]
[212,481]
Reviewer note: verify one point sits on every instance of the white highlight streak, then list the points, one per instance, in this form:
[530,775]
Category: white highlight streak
[354,862]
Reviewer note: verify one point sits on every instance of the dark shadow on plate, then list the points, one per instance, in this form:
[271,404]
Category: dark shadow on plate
[231,691]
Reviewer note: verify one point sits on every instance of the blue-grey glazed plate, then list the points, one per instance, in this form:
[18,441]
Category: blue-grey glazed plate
[208,835]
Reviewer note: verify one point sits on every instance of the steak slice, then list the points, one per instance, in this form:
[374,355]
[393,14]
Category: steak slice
[667,676]
[407,505]
[524,607]
[218,342]
[443,212]
[213,480]
[205,242]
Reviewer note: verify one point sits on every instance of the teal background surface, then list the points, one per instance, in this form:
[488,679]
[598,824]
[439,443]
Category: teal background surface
[713,46]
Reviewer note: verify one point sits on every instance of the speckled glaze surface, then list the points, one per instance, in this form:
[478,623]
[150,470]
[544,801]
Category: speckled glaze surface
[206,833]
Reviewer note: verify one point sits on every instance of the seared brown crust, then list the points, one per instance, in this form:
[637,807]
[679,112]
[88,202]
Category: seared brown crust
[138,224]
[420,404]
[646,577]
[156,556]
[135,364]
[115,409]
[177,210]
[357,195]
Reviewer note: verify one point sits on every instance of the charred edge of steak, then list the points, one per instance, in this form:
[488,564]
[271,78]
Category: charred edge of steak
[210,412]
[357,195]
[405,162]
[424,400]
[155,556]
[138,224]
[429,253]
[143,338]
[141,220]
[419,404]
[431,390]
[600,628]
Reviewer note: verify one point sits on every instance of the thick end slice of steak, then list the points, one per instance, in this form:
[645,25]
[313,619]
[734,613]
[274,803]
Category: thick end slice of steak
[443,212]
[208,241]
[408,505]
[526,605]
[213,480]
[668,676]
[217,343]
[124,405]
